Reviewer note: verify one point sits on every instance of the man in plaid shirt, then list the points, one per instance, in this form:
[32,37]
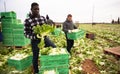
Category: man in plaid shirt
[34,19]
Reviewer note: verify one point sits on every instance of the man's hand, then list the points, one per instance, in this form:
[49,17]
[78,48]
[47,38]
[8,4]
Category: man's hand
[69,31]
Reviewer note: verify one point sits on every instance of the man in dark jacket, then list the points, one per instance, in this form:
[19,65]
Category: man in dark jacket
[68,26]
[33,20]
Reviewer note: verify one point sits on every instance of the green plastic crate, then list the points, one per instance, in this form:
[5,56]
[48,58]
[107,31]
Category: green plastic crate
[28,41]
[20,42]
[64,70]
[53,67]
[18,32]
[7,36]
[54,63]
[76,35]
[18,26]
[6,26]
[8,42]
[8,15]
[54,60]
[8,21]
[19,36]
[54,57]
[21,64]
[61,70]
[7,31]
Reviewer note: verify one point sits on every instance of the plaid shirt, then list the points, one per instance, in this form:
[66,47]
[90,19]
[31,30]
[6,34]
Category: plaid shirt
[29,23]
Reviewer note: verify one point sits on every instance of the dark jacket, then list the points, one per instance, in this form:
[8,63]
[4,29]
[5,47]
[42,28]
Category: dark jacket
[68,25]
[29,23]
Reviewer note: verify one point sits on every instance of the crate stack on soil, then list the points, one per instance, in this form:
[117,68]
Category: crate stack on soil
[20,64]
[8,20]
[58,62]
[13,30]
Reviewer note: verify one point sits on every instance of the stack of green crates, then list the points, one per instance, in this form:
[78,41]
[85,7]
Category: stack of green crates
[20,64]
[59,62]
[18,35]
[13,30]
[7,27]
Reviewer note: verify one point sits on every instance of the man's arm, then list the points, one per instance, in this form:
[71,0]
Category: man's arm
[43,20]
[65,28]
[28,30]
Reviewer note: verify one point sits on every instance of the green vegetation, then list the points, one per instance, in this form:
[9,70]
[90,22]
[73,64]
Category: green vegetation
[41,32]
[106,36]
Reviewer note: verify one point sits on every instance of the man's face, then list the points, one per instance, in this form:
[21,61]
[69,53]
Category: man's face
[35,10]
[69,18]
